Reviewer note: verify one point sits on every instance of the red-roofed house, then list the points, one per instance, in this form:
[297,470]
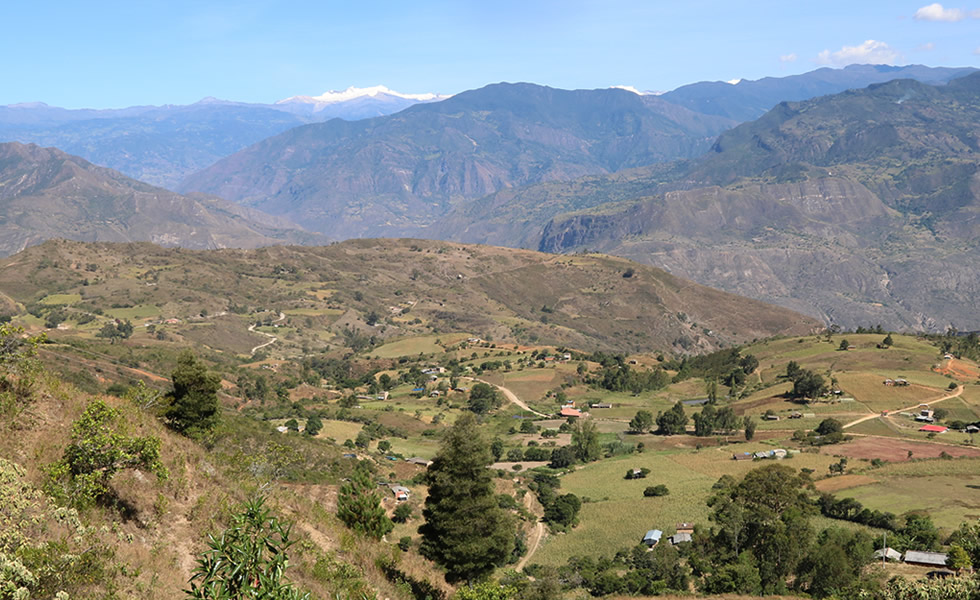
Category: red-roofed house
[933,428]
[568,411]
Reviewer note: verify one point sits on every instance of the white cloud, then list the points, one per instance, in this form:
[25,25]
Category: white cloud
[870,52]
[788,58]
[926,47]
[936,12]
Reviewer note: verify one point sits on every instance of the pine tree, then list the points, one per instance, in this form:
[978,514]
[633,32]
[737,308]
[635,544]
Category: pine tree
[465,531]
[194,401]
[359,506]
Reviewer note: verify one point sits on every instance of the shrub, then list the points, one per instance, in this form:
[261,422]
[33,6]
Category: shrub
[656,490]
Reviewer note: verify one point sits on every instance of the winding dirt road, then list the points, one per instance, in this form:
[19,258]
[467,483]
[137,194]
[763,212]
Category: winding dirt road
[274,339]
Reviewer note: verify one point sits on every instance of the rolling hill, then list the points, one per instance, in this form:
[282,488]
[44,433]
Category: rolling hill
[389,289]
[45,193]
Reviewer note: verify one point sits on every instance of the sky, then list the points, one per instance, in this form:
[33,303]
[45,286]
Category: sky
[110,54]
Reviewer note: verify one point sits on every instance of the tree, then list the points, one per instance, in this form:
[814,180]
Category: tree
[643,421]
[359,506]
[99,448]
[585,441]
[835,563]
[958,559]
[403,512]
[887,342]
[483,398]
[313,426]
[562,512]
[767,513]
[808,384]
[749,429]
[248,560]
[562,457]
[704,421]
[792,369]
[674,421]
[465,531]
[194,399]
[656,490]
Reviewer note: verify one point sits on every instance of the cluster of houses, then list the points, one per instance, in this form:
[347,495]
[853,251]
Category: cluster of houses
[568,410]
[683,534]
[775,454]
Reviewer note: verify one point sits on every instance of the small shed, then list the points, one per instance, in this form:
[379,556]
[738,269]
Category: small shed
[888,553]
[652,537]
[401,492]
[972,429]
[679,538]
[601,405]
[777,453]
[742,456]
[418,460]
[926,559]
[685,528]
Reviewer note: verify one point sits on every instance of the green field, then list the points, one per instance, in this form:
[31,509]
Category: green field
[135,313]
[418,345]
[948,490]
[618,515]
[340,430]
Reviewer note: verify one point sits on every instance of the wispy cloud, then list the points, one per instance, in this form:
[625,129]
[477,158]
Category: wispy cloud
[788,58]
[937,12]
[927,47]
[870,52]
[977,51]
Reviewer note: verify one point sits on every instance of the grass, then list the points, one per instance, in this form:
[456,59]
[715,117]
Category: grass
[414,346]
[340,430]
[948,499]
[60,299]
[135,313]
[618,515]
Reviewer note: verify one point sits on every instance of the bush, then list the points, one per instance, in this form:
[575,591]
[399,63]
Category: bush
[656,490]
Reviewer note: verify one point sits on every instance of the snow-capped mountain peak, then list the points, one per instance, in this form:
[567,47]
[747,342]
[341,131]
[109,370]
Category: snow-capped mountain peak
[353,93]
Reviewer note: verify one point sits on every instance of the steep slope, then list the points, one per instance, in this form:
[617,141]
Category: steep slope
[585,302]
[860,208]
[45,193]
[395,173]
[747,100]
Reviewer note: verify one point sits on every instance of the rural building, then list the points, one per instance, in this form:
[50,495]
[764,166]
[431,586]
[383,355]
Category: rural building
[418,460]
[652,538]
[796,415]
[934,429]
[889,382]
[435,393]
[743,456]
[926,559]
[685,528]
[382,396]
[771,417]
[901,382]
[349,455]
[924,418]
[401,492]
[777,453]
[972,429]
[568,411]
[601,405]
[282,429]
[889,554]
[761,454]
[679,538]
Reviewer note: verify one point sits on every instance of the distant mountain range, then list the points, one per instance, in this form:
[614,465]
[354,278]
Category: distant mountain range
[163,144]
[390,175]
[45,194]
[860,208]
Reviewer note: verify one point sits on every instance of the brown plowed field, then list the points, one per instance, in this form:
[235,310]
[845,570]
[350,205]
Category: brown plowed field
[895,450]
[959,370]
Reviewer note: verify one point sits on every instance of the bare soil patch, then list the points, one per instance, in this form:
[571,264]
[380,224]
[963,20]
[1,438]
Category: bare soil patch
[959,370]
[895,450]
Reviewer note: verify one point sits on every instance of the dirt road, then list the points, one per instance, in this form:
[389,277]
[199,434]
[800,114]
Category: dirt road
[537,534]
[959,390]
[274,339]
[512,397]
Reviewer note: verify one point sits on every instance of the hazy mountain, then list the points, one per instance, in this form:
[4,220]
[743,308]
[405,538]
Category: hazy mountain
[862,207]
[747,100]
[45,193]
[392,174]
[163,144]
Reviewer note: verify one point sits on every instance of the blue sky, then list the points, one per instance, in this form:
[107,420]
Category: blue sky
[113,54]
